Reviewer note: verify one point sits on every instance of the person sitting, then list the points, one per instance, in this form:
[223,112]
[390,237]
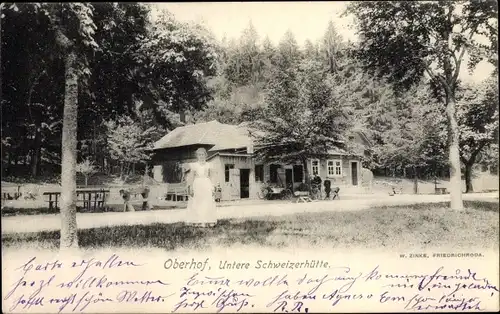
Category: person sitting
[317,182]
[146,205]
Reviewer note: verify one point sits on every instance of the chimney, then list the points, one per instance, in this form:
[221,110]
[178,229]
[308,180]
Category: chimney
[182,116]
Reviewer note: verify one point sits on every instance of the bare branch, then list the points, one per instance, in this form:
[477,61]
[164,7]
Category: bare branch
[452,54]
[462,53]
[435,76]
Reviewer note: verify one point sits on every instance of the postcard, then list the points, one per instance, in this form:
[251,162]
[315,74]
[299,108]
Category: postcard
[250,157]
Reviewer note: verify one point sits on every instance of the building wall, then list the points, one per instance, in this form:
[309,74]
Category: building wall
[239,163]
[346,178]
[166,159]
[218,164]
[188,154]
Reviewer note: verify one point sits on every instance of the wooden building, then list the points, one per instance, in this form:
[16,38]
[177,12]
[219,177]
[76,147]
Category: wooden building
[230,153]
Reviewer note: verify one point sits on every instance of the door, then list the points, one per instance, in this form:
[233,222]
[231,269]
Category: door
[244,183]
[234,180]
[289,178]
[281,177]
[354,172]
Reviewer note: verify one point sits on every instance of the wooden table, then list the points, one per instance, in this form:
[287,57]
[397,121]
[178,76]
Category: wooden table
[91,199]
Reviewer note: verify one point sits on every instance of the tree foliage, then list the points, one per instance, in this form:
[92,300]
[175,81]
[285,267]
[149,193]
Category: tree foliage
[478,120]
[163,64]
[130,141]
[176,59]
[302,120]
[403,40]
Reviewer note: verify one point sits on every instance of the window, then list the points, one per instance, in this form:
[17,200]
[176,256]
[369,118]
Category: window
[226,171]
[259,173]
[273,171]
[298,173]
[315,167]
[334,168]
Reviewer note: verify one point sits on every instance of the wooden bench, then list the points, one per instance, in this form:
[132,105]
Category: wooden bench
[177,193]
[93,199]
[53,199]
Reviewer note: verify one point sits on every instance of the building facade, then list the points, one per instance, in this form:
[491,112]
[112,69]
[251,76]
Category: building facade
[234,167]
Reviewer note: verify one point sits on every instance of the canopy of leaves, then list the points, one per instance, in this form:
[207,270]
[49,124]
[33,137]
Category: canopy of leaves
[478,118]
[130,141]
[405,39]
[176,59]
[417,135]
[302,119]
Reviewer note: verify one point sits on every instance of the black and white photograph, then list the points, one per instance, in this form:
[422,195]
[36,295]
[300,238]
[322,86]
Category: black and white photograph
[270,157]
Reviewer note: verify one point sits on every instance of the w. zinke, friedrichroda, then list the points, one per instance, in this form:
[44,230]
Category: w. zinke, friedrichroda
[274,264]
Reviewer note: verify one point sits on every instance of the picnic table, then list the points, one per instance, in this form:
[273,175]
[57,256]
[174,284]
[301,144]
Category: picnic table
[91,198]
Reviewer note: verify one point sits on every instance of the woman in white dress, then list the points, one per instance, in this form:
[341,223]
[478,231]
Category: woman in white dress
[202,210]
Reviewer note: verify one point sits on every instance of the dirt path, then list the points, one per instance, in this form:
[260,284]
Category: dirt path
[94,220]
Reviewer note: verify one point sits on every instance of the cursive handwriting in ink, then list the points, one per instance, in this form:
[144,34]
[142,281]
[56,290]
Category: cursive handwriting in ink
[474,286]
[336,296]
[28,302]
[318,282]
[268,282]
[81,302]
[194,280]
[231,299]
[63,301]
[88,298]
[287,296]
[294,307]
[47,266]
[132,296]
[386,297]
[104,282]
[427,279]
[113,261]
[191,305]
[420,303]
[39,284]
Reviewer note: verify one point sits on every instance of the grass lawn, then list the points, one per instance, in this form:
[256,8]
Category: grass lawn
[12,211]
[421,226]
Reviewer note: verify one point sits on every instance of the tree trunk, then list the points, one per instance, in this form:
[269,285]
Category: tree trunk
[306,175]
[69,235]
[35,161]
[415,181]
[9,163]
[468,178]
[86,180]
[454,154]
